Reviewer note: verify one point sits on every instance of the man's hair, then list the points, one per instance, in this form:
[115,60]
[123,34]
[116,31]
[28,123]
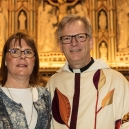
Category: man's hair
[72,18]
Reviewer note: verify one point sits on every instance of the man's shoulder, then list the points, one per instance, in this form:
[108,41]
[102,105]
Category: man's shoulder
[114,74]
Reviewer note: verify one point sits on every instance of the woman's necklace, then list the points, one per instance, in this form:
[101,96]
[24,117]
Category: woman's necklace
[32,102]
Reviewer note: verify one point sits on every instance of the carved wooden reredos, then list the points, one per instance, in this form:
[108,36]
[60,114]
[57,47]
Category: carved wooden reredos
[39,18]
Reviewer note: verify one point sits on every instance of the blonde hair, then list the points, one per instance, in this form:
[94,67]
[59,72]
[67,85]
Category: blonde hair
[71,18]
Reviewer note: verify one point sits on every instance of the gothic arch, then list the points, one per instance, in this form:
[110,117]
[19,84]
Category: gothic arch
[18,20]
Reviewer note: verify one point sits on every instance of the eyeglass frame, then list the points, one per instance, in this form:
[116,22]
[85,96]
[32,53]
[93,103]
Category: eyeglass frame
[75,37]
[21,52]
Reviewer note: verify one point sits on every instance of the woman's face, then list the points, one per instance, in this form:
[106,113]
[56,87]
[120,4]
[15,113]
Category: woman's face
[20,67]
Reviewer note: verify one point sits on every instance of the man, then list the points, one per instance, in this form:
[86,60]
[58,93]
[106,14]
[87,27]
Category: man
[86,93]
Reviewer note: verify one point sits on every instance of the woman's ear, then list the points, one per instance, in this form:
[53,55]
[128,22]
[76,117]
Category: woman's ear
[5,63]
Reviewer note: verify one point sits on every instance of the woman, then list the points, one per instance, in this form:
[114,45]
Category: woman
[23,105]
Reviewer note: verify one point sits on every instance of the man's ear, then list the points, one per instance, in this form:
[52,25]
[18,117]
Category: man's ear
[91,43]
[60,45]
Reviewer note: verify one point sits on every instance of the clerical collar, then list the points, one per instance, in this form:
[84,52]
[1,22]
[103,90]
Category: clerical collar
[83,68]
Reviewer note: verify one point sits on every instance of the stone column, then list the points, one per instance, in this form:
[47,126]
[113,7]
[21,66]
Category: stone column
[112,30]
[32,18]
[93,19]
[11,17]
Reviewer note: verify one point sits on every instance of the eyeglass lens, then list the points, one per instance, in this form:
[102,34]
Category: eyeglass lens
[79,38]
[17,52]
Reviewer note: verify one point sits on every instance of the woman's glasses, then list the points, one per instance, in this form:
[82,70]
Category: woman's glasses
[15,52]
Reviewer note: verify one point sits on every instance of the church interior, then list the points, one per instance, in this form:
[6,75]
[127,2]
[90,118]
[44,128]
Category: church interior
[39,19]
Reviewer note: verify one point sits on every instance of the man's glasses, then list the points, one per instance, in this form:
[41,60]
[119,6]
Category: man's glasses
[67,39]
[15,52]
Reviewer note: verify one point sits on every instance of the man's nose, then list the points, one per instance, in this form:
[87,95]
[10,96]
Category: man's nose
[74,42]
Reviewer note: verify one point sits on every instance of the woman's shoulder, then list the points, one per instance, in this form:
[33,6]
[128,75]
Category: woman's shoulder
[0,87]
[43,91]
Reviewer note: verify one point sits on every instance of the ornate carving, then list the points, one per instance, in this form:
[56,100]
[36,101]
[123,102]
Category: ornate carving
[123,27]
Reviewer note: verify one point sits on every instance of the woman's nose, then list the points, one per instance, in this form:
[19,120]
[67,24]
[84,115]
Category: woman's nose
[22,55]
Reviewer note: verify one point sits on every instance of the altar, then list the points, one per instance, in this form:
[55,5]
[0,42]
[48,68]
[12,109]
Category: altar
[39,18]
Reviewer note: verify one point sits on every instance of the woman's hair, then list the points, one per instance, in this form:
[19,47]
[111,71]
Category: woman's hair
[16,38]
[72,18]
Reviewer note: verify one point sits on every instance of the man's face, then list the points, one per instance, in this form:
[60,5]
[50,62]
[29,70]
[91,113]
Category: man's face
[77,53]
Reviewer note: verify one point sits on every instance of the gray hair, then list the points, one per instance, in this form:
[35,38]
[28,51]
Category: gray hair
[72,18]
